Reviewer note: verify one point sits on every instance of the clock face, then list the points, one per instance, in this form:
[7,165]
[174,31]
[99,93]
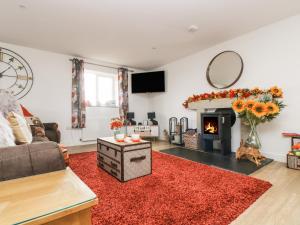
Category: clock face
[15,73]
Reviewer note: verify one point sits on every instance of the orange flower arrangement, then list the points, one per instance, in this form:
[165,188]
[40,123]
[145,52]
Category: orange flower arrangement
[256,91]
[234,93]
[259,109]
[238,105]
[116,124]
[276,92]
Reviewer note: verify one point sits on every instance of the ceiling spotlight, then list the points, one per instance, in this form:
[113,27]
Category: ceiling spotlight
[193,28]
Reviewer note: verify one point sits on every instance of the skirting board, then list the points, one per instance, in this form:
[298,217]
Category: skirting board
[275,157]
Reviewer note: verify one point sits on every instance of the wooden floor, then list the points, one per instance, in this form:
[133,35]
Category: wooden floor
[280,205]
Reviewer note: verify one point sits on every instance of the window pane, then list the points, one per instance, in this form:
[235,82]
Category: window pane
[105,90]
[90,89]
[101,89]
[116,83]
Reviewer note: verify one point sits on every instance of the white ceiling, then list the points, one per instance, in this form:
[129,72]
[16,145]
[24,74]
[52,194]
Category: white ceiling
[125,31]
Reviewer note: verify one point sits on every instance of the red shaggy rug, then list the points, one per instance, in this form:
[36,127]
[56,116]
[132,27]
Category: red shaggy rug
[178,192]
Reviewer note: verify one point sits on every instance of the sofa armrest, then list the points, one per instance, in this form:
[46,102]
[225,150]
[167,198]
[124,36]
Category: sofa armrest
[31,159]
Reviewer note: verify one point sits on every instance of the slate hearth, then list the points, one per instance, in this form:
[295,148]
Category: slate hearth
[227,162]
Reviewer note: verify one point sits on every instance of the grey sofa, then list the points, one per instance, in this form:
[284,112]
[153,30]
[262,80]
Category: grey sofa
[31,159]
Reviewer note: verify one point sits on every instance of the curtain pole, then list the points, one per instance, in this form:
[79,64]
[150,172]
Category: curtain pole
[111,67]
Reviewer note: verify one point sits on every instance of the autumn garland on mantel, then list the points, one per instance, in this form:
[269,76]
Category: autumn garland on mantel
[234,93]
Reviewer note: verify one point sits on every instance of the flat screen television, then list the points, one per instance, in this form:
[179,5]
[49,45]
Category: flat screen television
[148,82]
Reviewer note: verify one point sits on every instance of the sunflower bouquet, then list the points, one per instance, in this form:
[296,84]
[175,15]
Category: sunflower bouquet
[257,111]
[253,111]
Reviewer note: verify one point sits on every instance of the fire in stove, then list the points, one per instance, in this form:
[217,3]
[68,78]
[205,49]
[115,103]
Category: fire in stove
[210,128]
[211,125]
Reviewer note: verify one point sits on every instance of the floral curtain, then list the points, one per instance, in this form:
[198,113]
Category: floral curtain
[78,95]
[123,92]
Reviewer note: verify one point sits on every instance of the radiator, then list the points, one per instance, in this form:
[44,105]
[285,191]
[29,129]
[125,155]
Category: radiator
[97,123]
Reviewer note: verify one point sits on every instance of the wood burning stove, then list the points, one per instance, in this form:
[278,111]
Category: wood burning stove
[216,126]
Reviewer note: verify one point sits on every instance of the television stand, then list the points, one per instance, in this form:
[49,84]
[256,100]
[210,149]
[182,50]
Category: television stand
[144,131]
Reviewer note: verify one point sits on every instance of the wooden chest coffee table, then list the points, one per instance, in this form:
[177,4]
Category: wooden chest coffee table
[124,160]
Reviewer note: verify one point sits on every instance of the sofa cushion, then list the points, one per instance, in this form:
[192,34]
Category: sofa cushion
[21,129]
[6,134]
[15,162]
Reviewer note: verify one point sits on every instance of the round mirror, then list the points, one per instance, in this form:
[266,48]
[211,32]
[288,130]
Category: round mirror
[225,69]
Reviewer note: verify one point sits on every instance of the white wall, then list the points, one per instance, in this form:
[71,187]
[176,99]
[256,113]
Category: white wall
[271,56]
[50,97]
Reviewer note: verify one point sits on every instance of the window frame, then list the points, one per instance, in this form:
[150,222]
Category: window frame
[115,93]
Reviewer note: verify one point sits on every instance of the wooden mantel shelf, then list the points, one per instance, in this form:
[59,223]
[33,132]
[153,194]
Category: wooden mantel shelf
[213,104]
[53,198]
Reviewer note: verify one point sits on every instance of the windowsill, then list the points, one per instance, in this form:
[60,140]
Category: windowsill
[103,106]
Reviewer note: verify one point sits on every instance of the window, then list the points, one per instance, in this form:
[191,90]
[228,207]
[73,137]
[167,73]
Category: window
[101,89]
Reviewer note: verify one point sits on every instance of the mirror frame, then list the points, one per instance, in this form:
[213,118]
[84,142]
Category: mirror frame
[211,62]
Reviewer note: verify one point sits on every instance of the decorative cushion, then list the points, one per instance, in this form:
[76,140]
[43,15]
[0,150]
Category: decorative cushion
[25,111]
[38,134]
[20,128]
[35,121]
[8,103]
[31,119]
[6,134]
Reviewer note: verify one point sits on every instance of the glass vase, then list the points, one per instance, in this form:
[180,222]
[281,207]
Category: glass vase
[115,132]
[253,138]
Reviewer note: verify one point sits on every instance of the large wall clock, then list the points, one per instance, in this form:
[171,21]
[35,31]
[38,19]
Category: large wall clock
[16,75]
